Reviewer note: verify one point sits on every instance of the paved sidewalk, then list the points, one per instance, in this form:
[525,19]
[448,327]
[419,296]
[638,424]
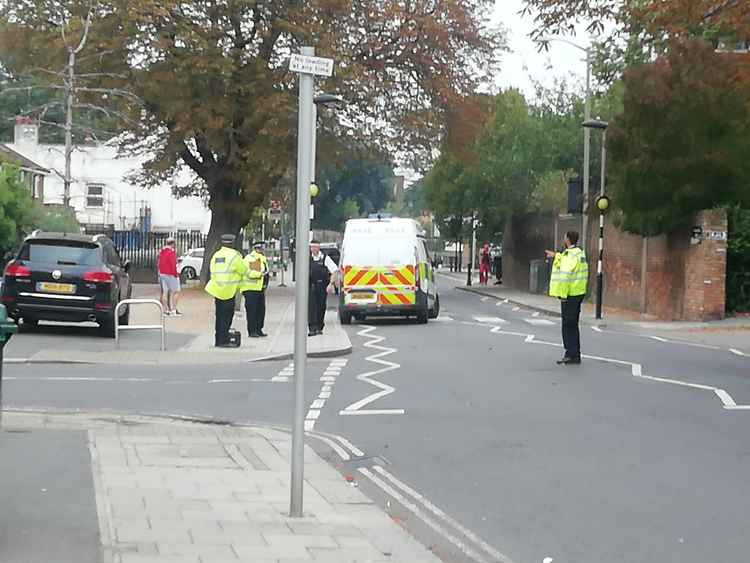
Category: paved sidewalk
[189,338]
[179,492]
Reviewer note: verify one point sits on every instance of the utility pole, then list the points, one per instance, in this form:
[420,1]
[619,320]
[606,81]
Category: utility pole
[586,157]
[69,98]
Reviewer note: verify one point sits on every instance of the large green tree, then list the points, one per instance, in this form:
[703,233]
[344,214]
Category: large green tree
[213,90]
[357,185]
[16,209]
[682,143]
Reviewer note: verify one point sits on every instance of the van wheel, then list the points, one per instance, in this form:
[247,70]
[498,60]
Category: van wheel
[345,317]
[422,317]
[435,311]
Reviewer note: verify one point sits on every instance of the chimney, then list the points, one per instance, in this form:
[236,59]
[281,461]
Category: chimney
[26,132]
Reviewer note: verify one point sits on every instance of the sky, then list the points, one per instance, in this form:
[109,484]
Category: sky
[524,58]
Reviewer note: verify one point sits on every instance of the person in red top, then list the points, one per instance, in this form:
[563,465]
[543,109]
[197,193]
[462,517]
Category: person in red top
[484,265]
[169,279]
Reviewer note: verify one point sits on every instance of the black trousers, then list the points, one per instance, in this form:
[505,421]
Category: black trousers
[224,315]
[317,308]
[255,310]
[570,310]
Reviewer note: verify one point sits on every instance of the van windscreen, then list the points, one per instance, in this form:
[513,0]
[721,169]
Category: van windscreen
[365,252]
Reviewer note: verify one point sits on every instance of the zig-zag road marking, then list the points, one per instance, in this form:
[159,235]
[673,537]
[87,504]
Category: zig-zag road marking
[356,408]
[637,371]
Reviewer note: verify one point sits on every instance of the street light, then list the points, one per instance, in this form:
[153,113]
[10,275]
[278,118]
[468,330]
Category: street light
[586,132]
[602,203]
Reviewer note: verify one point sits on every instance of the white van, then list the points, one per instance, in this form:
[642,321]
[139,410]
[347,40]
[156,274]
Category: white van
[385,269]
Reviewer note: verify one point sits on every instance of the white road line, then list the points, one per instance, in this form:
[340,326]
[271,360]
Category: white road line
[324,395]
[15,360]
[636,370]
[658,338]
[484,299]
[443,516]
[499,303]
[372,411]
[356,408]
[443,318]
[352,448]
[280,379]
[333,445]
[457,543]
[318,404]
[516,308]
[535,314]
[596,329]
[96,379]
[540,322]
[313,414]
[490,320]
[737,352]
[309,425]
[725,397]
[328,378]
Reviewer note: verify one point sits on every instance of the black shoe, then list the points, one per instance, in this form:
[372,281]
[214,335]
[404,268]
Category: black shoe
[224,345]
[261,334]
[253,335]
[568,361]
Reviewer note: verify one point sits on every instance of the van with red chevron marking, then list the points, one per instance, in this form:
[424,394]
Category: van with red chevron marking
[385,270]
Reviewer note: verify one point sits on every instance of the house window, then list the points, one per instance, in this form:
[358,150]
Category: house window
[95,195]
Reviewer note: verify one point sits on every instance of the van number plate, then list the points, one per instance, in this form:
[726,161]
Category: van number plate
[363,296]
[47,287]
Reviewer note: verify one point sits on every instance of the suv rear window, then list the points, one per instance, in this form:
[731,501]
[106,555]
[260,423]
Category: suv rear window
[61,252]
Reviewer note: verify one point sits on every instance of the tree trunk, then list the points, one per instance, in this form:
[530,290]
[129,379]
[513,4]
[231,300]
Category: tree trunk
[227,217]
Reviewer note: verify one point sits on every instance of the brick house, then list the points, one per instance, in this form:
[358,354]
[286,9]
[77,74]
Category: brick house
[32,174]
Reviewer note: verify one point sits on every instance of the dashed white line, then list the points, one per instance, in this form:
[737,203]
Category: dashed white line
[516,308]
[737,352]
[658,338]
[329,379]
[490,320]
[540,322]
[535,314]
[596,329]
[317,404]
[484,299]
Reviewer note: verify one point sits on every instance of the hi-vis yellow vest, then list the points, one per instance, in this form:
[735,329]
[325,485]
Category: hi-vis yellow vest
[257,267]
[227,269]
[570,274]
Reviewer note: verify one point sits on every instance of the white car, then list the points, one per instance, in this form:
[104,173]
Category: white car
[189,264]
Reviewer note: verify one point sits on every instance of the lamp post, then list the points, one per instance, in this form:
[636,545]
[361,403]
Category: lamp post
[602,204]
[586,134]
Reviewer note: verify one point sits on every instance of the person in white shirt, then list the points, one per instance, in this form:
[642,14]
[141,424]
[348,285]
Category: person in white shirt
[322,267]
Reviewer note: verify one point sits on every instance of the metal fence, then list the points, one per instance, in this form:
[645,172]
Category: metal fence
[141,249]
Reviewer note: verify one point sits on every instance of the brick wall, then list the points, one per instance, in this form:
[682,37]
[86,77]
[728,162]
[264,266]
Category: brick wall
[663,277]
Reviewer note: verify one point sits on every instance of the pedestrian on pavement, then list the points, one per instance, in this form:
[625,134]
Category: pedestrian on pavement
[322,267]
[497,266]
[227,270]
[169,279]
[484,265]
[570,276]
[253,289]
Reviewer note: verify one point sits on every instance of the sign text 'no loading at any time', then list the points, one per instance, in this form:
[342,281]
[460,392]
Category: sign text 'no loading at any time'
[307,64]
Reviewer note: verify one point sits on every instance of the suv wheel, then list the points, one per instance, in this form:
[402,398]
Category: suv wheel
[28,325]
[188,273]
[107,328]
[125,317]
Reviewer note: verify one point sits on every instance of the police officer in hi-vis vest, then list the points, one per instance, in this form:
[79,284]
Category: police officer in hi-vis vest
[253,288]
[227,271]
[321,269]
[570,276]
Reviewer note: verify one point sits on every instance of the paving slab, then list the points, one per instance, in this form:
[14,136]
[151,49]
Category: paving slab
[163,504]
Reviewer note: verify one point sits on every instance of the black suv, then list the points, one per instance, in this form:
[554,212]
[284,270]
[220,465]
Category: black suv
[68,278]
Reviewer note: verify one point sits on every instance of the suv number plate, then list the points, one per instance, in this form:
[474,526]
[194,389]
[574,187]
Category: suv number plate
[49,287]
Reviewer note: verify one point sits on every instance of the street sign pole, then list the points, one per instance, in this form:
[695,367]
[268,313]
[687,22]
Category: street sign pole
[302,266]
